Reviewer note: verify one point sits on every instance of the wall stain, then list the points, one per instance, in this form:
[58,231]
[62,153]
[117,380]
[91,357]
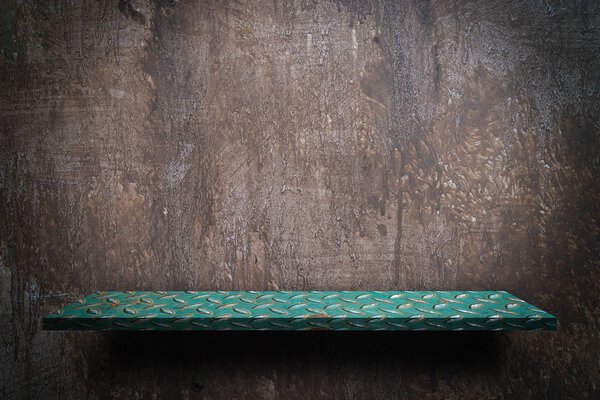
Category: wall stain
[379,144]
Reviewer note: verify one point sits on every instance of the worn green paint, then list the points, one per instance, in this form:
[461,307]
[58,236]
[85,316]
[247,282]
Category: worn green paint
[295,310]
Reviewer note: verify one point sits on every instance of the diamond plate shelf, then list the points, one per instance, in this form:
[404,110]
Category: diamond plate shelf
[314,310]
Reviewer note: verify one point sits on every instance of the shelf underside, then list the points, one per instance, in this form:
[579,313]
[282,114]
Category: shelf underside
[295,310]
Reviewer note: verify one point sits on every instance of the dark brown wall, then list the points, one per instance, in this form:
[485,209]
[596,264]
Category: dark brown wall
[300,145]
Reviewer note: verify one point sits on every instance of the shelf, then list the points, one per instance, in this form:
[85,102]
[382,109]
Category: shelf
[314,310]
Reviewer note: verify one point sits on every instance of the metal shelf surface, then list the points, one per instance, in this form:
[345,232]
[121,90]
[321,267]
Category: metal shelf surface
[300,310]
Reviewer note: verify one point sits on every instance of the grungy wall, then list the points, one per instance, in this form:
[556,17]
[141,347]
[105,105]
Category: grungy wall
[308,144]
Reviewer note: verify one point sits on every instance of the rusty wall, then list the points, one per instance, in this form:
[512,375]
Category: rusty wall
[299,145]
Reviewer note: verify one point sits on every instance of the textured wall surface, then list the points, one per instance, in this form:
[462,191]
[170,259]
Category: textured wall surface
[393,145]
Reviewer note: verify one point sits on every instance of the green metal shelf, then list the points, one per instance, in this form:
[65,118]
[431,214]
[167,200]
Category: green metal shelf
[295,310]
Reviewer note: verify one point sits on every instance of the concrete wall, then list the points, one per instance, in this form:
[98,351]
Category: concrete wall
[299,145]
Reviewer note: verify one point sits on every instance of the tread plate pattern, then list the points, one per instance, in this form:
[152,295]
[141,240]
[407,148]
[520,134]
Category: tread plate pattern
[301,310]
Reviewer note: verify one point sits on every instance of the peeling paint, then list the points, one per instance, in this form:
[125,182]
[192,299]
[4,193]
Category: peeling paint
[299,145]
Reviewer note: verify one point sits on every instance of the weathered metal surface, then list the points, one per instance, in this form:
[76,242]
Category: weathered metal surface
[297,310]
[299,145]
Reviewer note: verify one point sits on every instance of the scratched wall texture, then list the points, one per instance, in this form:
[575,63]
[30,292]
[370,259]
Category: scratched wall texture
[299,145]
